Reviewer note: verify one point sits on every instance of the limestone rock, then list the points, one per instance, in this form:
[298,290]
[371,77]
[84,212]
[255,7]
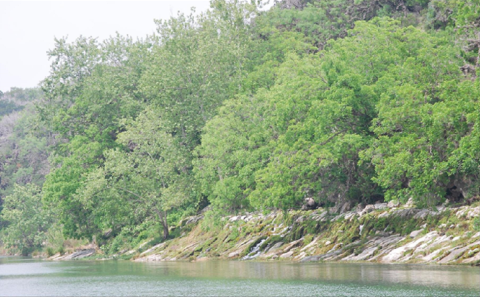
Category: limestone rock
[456,253]
[380,205]
[286,255]
[292,244]
[398,253]
[393,203]
[80,254]
[414,234]
[300,256]
[410,203]
[347,206]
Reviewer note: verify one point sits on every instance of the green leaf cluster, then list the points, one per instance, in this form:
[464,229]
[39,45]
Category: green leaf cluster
[28,221]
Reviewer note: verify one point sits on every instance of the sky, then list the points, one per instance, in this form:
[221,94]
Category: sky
[28,29]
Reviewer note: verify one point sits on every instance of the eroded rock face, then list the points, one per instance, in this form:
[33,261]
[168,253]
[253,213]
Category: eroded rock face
[79,254]
[320,235]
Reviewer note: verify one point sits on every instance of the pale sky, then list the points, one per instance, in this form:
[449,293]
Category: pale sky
[28,28]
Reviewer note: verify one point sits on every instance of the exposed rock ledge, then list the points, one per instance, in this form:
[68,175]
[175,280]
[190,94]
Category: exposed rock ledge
[78,254]
[378,233]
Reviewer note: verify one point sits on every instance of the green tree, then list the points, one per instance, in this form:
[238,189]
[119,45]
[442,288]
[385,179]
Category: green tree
[427,147]
[92,87]
[23,144]
[27,220]
[202,62]
[144,180]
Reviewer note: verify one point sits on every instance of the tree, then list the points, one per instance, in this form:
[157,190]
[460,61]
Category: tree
[23,144]
[27,220]
[427,146]
[92,87]
[202,62]
[145,179]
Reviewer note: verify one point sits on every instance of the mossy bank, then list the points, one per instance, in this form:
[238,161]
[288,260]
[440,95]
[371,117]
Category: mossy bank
[384,233]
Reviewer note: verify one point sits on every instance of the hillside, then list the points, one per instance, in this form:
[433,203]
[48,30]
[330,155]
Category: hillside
[244,110]
[383,233]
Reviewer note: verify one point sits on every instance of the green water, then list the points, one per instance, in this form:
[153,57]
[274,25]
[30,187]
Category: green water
[27,277]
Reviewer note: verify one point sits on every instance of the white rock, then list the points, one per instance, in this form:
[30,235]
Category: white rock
[398,253]
[393,203]
[287,255]
[414,234]
[380,206]
[350,216]
[384,214]
[473,213]
[410,203]
[311,244]
[300,256]
[432,256]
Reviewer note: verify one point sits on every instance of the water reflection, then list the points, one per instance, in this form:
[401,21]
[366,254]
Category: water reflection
[429,275]
[20,277]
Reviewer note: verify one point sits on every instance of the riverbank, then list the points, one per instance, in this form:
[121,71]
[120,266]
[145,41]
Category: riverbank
[380,233]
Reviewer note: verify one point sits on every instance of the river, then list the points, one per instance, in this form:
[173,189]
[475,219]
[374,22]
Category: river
[29,277]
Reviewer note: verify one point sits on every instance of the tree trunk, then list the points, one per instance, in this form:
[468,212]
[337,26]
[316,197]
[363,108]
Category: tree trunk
[165,230]
[163,219]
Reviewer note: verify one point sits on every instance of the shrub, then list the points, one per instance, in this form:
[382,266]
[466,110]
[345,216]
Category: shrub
[476,224]
[50,251]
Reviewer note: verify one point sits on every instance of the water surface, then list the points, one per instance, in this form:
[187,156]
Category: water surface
[27,277]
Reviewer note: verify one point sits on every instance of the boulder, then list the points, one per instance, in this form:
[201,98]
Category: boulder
[414,234]
[393,203]
[380,205]
[234,254]
[369,208]
[347,206]
[310,204]
[424,213]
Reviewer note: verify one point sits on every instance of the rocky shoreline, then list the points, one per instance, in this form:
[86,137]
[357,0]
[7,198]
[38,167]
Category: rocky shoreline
[380,233]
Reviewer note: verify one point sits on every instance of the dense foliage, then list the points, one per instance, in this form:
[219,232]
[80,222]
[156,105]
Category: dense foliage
[250,109]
